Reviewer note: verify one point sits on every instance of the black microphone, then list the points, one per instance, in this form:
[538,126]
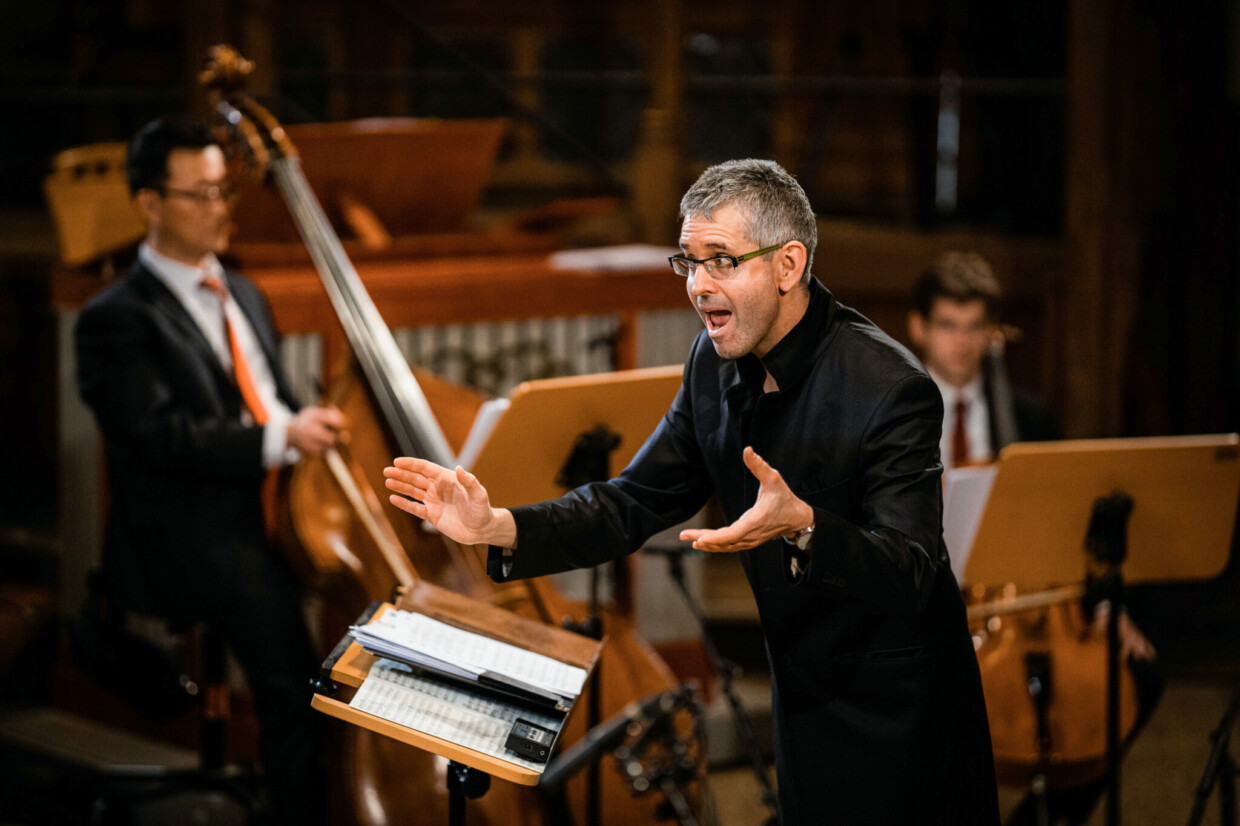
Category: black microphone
[603,737]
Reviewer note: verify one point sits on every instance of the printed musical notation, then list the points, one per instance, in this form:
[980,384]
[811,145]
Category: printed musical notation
[467,718]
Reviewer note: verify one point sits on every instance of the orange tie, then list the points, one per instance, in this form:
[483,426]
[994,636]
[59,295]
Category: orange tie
[960,437]
[241,367]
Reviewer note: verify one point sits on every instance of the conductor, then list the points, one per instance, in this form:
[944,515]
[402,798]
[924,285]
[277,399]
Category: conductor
[820,437]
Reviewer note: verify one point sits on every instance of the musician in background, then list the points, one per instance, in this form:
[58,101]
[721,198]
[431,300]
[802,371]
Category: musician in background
[179,363]
[953,323]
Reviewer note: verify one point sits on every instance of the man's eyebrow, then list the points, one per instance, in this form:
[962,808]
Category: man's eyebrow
[716,246]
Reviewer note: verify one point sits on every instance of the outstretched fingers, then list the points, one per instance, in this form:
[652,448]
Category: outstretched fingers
[738,536]
[406,482]
[408,505]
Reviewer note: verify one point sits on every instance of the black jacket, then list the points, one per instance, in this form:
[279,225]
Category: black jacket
[184,474]
[879,716]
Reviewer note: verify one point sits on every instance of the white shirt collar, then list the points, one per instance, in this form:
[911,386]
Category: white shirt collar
[179,277]
[969,393]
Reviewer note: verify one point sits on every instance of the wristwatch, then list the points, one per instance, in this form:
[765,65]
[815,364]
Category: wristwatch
[801,539]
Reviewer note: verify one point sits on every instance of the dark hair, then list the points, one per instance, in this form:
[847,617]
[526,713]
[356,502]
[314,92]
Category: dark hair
[146,158]
[775,207]
[958,276]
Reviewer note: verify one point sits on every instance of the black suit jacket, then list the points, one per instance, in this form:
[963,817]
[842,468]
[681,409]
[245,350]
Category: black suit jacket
[879,715]
[184,473]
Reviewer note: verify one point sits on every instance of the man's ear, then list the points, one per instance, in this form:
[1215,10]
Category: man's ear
[790,263]
[917,329]
[146,202]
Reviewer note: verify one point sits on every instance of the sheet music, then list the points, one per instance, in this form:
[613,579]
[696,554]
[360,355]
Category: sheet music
[459,650]
[965,491]
[393,692]
[489,414]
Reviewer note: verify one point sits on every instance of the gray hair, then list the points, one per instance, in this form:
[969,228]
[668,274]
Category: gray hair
[775,207]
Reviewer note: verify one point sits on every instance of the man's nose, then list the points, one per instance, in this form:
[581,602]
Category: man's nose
[701,282]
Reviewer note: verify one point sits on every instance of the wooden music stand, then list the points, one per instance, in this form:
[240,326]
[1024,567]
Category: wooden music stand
[548,424]
[521,460]
[1184,489]
[348,666]
[1148,510]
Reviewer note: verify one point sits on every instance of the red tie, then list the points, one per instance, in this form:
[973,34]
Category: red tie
[241,367]
[960,437]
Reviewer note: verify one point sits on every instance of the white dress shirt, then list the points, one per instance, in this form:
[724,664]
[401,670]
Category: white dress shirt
[204,307]
[977,419]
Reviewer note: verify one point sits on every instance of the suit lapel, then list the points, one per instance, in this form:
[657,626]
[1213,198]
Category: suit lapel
[250,302]
[171,308]
[254,314]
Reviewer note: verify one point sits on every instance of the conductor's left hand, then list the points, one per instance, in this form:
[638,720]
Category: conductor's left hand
[776,512]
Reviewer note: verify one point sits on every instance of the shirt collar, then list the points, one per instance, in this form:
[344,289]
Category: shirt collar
[792,356]
[179,277]
[969,393]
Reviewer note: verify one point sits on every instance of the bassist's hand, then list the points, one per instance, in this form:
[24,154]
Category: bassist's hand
[314,429]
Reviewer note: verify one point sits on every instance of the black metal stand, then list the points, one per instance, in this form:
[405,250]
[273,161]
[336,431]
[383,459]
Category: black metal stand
[587,462]
[464,782]
[725,672]
[1038,673]
[1220,769]
[1107,543]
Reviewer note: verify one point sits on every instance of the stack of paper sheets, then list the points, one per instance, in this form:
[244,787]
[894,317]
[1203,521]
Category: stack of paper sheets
[428,643]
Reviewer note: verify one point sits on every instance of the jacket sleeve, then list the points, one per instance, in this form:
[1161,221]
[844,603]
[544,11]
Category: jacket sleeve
[890,558]
[132,373]
[664,485]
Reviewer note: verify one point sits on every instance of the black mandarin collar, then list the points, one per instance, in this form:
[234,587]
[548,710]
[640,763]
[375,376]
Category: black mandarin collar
[793,355]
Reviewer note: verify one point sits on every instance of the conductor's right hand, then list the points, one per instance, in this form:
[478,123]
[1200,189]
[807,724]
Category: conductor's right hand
[451,500]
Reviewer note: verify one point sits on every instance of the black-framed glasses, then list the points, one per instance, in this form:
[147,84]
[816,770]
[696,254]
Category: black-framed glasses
[720,267]
[203,195]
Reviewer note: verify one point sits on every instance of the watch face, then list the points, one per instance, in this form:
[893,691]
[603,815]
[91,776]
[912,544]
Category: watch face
[803,538]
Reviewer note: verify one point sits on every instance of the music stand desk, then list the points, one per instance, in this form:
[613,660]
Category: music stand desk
[520,461]
[1184,491]
[350,668]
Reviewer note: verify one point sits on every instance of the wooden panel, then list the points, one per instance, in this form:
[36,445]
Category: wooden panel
[418,175]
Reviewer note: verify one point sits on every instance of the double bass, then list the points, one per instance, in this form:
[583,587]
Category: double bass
[349,547]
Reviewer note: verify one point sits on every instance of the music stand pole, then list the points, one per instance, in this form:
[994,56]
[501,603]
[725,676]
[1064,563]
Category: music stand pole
[589,461]
[1107,543]
[463,782]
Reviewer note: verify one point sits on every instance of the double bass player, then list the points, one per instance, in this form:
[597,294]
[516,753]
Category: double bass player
[178,362]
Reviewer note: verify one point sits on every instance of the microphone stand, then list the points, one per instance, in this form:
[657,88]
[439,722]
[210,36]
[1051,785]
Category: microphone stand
[645,720]
[725,672]
[1220,768]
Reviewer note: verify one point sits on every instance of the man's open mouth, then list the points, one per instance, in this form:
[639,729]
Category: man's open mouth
[716,319]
